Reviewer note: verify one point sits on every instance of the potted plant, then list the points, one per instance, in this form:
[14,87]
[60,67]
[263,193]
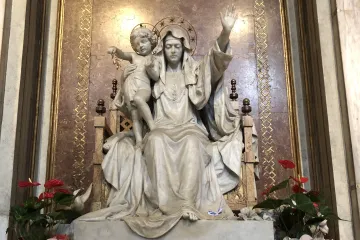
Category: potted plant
[302,214]
[30,221]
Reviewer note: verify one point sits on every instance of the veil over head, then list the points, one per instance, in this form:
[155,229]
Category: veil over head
[189,65]
[177,32]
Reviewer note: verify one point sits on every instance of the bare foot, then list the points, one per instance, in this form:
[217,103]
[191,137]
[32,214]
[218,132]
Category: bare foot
[186,215]
[191,216]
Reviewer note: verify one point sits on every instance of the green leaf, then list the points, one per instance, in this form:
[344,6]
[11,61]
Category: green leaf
[289,202]
[63,199]
[70,215]
[303,203]
[290,218]
[325,210]
[56,215]
[269,203]
[314,220]
[279,186]
[297,230]
[316,197]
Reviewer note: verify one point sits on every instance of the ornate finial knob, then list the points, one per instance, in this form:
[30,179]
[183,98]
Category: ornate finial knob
[114,88]
[233,94]
[101,109]
[246,108]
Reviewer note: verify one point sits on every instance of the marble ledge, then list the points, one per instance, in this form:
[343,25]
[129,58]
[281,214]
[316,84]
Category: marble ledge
[184,230]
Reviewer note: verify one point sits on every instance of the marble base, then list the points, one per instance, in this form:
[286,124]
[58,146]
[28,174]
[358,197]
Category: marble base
[184,230]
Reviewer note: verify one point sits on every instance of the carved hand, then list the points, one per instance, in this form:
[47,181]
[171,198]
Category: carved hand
[150,62]
[228,19]
[112,50]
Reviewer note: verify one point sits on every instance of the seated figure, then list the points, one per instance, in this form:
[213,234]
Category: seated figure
[193,154]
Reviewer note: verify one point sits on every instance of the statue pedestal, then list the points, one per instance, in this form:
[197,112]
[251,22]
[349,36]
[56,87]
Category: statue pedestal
[184,230]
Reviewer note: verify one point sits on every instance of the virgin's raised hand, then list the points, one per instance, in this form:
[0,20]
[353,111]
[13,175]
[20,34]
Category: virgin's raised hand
[229,18]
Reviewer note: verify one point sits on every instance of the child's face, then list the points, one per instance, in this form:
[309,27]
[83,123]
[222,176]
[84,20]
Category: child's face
[143,46]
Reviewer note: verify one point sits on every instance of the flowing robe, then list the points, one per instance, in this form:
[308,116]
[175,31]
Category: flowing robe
[179,170]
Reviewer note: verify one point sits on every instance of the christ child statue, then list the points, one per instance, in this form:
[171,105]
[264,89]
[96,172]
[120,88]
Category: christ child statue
[136,87]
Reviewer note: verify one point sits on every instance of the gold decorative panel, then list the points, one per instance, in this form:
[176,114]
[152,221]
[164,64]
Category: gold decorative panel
[266,129]
[81,109]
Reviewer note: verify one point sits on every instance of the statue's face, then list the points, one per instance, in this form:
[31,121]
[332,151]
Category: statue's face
[143,46]
[173,49]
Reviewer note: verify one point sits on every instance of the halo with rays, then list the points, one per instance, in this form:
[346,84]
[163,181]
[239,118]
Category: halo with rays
[179,21]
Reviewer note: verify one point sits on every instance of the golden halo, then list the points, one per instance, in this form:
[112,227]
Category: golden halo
[181,22]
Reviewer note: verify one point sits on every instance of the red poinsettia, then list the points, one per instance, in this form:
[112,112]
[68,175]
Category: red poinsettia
[267,190]
[287,164]
[62,190]
[53,183]
[46,195]
[300,180]
[28,183]
[297,189]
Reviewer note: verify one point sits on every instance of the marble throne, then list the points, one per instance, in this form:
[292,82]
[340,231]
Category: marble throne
[244,195]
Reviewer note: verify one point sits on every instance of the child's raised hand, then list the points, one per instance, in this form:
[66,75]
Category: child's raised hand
[111,50]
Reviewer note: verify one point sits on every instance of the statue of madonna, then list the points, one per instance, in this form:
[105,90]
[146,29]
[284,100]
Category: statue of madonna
[192,156]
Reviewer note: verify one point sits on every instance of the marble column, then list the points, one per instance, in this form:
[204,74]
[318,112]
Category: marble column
[336,122]
[2,18]
[298,87]
[11,103]
[347,15]
[48,60]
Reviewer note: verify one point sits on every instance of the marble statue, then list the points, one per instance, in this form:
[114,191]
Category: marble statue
[192,154]
[136,87]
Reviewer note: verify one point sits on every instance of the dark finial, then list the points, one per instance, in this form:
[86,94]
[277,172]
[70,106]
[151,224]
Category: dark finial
[101,109]
[246,108]
[233,94]
[114,88]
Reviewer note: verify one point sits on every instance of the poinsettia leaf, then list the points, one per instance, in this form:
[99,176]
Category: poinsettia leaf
[269,203]
[314,220]
[279,186]
[303,203]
